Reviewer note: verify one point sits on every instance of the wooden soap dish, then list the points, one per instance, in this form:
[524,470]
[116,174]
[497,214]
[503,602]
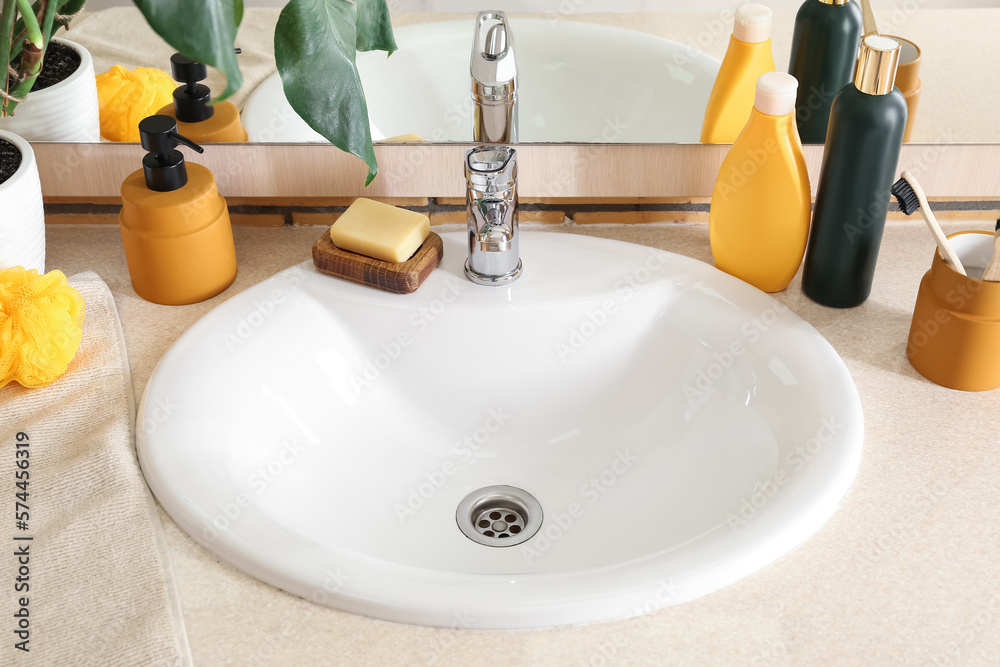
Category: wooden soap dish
[398,278]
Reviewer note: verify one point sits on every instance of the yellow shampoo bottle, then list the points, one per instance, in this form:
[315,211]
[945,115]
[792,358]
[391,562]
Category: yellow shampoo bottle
[759,219]
[748,57]
[175,225]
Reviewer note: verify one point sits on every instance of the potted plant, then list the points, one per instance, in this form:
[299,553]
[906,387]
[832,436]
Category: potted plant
[22,221]
[58,74]
[315,42]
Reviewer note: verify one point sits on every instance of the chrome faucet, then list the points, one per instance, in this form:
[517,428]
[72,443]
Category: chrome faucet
[494,81]
[491,207]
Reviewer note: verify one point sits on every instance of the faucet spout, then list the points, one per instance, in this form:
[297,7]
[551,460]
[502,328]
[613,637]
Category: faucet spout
[491,207]
[494,80]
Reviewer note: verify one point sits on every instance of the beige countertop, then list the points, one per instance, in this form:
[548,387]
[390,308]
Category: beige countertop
[907,572]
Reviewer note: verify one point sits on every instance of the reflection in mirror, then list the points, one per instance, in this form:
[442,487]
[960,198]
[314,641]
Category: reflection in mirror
[578,82]
[605,71]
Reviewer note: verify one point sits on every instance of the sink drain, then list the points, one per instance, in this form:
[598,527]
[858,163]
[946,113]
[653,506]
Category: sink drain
[499,516]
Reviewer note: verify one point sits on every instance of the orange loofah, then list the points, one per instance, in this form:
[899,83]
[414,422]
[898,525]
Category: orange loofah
[40,326]
[126,97]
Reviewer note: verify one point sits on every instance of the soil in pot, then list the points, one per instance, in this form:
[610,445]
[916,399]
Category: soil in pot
[10,160]
[60,61]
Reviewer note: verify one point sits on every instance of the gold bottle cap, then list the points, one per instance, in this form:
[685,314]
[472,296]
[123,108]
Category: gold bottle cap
[835,2]
[877,65]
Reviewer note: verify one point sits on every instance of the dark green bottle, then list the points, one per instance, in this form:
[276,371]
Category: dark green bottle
[859,167]
[824,58]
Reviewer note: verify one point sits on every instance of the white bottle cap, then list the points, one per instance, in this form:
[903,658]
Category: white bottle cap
[752,24]
[776,94]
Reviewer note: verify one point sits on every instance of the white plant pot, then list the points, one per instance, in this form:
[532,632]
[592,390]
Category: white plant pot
[22,219]
[67,111]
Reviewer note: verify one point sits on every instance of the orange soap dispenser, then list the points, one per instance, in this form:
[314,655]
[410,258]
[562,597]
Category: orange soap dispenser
[197,118]
[174,223]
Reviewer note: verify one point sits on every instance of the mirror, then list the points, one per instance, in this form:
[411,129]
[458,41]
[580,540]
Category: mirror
[590,71]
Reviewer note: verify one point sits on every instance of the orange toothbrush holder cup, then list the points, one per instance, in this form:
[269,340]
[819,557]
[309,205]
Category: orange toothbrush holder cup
[955,335]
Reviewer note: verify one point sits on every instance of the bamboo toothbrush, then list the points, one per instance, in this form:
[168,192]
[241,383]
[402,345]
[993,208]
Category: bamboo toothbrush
[911,196]
[868,14]
[993,270]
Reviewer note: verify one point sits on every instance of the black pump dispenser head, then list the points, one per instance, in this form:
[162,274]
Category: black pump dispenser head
[192,101]
[163,165]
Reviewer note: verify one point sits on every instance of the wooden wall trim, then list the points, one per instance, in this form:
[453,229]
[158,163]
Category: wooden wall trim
[593,171]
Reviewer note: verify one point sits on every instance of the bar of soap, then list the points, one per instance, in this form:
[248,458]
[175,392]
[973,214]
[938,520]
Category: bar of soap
[380,231]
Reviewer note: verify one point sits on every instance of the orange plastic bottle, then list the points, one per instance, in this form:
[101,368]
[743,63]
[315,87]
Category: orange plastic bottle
[197,118]
[748,57]
[174,223]
[759,219]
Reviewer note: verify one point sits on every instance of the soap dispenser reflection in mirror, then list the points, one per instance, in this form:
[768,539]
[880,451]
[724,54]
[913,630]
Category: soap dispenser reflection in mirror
[198,118]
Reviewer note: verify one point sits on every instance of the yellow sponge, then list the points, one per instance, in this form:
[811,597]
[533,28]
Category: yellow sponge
[380,231]
[40,326]
[128,96]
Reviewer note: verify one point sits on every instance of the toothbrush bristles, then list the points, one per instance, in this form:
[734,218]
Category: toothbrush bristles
[907,198]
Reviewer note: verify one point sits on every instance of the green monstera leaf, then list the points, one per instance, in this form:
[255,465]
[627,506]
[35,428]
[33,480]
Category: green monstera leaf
[314,46]
[203,30]
[315,43]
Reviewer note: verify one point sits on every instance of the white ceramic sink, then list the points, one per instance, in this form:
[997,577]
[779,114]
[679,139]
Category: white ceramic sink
[679,429]
[578,82]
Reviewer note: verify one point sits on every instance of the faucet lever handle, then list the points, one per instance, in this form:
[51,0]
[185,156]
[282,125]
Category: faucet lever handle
[497,230]
[496,42]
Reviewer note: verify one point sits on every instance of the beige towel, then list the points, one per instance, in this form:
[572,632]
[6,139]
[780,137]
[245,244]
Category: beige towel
[100,586]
